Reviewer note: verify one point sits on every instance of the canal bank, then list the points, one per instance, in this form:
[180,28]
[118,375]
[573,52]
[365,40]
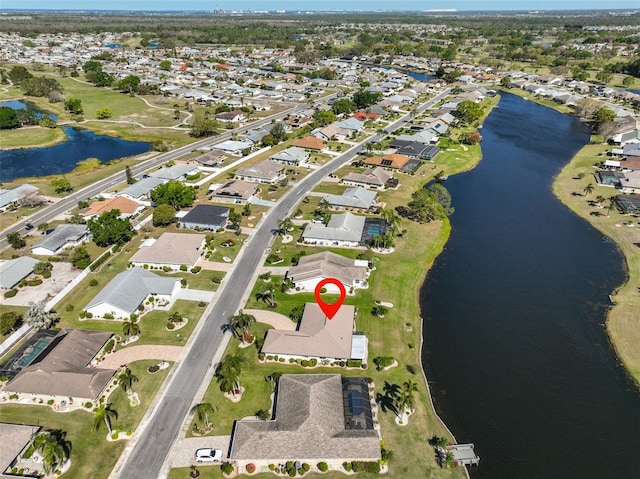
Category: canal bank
[515,351]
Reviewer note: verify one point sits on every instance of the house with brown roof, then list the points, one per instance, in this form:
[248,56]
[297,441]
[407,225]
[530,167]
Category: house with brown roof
[236,191]
[212,158]
[317,417]
[374,178]
[171,249]
[62,371]
[319,337]
[313,268]
[266,171]
[125,206]
[331,132]
[311,143]
[392,160]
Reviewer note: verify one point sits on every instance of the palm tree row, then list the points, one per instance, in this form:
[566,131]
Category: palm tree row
[240,325]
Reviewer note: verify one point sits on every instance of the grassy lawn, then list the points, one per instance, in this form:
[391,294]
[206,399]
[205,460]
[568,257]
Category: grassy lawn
[7,218]
[330,188]
[228,251]
[78,424]
[32,137]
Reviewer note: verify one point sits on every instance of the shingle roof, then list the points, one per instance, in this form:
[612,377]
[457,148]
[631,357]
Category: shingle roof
[173,172]
[61,236]
[236,189]
[327,265]
[309,425]
[267,169]
[207,216]
[9,196]
[357,197]
[15,438]
[292,155]
[130,288]
[342,227]
[64,370]
[142,187]
[171,248]
[12,271]
[376,176]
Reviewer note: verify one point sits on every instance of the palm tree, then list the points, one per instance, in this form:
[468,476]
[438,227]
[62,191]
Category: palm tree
[406,399]
[272,380]
[104,413]
[267,296]
[392,219]
[129,328]
[126,379]
[228,372]
[600,199]
[588,189]
[38,317]
[284,225]
[202,412]
[287,284]
[323,206]
[611,206]
[54,448]
[377,241]
[240,324]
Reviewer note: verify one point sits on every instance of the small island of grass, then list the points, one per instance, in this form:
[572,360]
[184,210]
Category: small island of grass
[32,137]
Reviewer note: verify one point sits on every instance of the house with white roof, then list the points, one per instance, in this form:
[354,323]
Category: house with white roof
[130,289]
[15,270]
[171,249]
[342,230]
[291,156]
[357,197]
[64,236]
[9,197]
[313,268]
[175,172]
[266,171]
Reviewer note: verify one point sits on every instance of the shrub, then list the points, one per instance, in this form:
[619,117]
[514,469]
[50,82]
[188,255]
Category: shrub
[183,281]
[261,356]
[269,358]
[313,362]
[50,402]
[153,369]
[292,472]
[272,467]
[108,316]
[216,279]
[202,304]
[88,405]
[354,363]
[196,269]
[183,267]
[166,269]
[11,293]
[305,467]
[347,466]
[323,467]
[34,282]
[170,326]
[251,468]
[100,260]
[89,315]
[281,360]
[46,274]
[291,360]
[93,282]
[69,307]
[82,314]
[226,468]
[304,363]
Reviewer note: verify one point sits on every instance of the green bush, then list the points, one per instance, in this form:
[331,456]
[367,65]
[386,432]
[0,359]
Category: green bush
[196,269]
[82,314]
[281,360]
[305,467]
[354,363]
[170,326]
[89,315]
[183,281]
[269,358]
[292,472]
[46,274]
[108,316]
[347,466]
[34,282]
[226,468]
[166,269]
[93,282]
[323,467]
[183,267]
[50,402]
[216,279]
[272,467]
[304,363]
[93,266]
[261,356]
[313,362]
[11,293]
[88,405]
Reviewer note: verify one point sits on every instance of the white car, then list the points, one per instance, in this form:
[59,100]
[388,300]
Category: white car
[207,454]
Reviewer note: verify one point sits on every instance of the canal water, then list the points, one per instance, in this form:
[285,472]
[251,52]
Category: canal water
[514,344]
[63,157]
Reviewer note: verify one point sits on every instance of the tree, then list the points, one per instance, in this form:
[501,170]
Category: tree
[38,317]
[228,373]
[628,81]
[109,228]
[588,189]
[263,414]
[91,66]
[8,118]
[202,412]
[9,320]
[272,380]
[468,111]
[126,379]
[18,73]
[104,113]
[234,217]
[130,328]
[602,116]
[73,105]
[428,204]
[604,76]
[382,362]
[343,106]
[505,82]
[246,210]
[266,295]
[240,324]
[15,240]
[104,413]
[130,179]
[278,132]
[165,65]
[363,98]
[61,185]
[173,193]
[202,127]
[268,140]
[54,448]
[391,218]
[406,398]
[80,257]
[284,225]
[129,84]
[324,117]
[42,267]
[164,215]
[470,137]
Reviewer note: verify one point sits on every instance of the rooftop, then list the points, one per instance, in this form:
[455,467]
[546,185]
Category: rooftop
[171,248]
[12,271]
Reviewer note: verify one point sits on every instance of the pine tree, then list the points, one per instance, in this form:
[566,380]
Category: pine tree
[130,179]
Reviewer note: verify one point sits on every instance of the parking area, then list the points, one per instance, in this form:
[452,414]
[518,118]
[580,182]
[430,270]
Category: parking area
[182,454]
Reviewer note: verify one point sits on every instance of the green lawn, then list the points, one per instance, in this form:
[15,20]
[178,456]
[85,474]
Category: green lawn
[31,137]
[78,424]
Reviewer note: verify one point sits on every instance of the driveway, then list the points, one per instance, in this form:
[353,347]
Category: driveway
[277,320]
[182,453]
[61,275]
[214,265]
[139,353]
[195,295]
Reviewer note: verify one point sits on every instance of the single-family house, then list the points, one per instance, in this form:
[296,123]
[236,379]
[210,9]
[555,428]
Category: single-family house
[331,132]
[291,156]
[121,297]
[414,149]
[342,230]
[10,197]
[310,143]
[15,270]
[256,135]
[375,178]
[630,181]
[266,171]
[206,217]
[124,205]
[171,249]
[234,116]
[212,158]
[16,439]
[313,268]
[425,137]
[392,160]
[176,172]
[235,191]
[141,189]
[234,147]
[62,371]
[357,197]
[64,236]
[317,417]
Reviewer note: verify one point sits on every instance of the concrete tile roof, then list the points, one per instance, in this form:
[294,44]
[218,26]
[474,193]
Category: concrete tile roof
[15,438]
[376,177]
[267,169]
[124,205]
[341,227]
[327,265]
[63,234]
[357,197]
[171,248]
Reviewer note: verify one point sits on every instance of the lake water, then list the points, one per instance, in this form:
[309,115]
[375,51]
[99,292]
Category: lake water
[63,157]
[514,344]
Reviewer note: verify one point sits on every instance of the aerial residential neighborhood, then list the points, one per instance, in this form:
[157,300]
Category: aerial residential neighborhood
[167,306]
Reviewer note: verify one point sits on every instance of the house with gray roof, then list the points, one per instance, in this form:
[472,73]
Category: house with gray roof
[64,236]
[175,172]
[140,189]
[206,217]
[313,268]
[357,197]
[234,147]
[317,417]
[15,270]
[236,191]
[291,156]
[16,438]
[342,230]
[9,197]
[266,171]
[375,178]
[130,289]
[171,249]
[63,369]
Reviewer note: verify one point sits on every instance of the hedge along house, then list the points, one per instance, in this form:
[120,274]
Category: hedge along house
[171,250]
[131,290]
[61,368]
[316,418]
[319,337]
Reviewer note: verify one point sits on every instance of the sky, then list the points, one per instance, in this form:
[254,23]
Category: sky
[317,4]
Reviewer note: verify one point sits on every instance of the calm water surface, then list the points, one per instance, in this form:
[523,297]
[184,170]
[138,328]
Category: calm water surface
[515,350]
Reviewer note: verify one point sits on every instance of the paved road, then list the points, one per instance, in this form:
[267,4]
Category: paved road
[156,439]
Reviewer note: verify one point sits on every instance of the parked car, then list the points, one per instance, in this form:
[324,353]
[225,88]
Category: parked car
[206,454]
[28,226]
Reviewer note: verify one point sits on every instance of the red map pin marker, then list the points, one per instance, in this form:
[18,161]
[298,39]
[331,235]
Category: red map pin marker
[330,309]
